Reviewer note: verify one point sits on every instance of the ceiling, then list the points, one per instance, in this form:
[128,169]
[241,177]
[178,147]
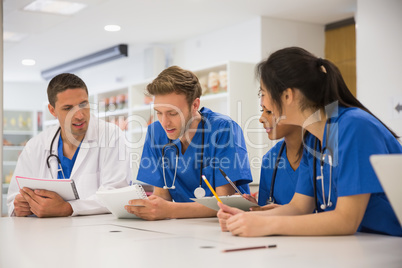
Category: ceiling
[54,39]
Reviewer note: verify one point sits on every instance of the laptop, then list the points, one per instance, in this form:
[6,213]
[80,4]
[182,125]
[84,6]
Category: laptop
[388,169]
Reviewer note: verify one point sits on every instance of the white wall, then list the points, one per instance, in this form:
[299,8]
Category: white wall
[24,95]
[279,33]
[379,58]
[240,42]
[249,41]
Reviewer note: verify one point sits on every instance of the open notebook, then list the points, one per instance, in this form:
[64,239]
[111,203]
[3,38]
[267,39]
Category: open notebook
[388,169]
[115,200]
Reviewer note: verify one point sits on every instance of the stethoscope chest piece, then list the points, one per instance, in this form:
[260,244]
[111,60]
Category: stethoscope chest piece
[199,192]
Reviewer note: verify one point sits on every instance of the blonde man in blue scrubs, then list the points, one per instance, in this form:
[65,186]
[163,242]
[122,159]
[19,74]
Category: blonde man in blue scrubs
[185,143]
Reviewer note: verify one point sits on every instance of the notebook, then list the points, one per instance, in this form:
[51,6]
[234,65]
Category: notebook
[115,200]
[236,201]
[65,188]
[388,169]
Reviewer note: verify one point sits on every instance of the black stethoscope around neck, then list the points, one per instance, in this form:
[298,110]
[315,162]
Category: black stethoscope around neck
[323,149]
[323,206]
[321,177]
[278,159]
[52,155]
[199,192]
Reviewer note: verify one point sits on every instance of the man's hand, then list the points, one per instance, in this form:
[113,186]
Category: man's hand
[153,208]
[21,206]
[45,203]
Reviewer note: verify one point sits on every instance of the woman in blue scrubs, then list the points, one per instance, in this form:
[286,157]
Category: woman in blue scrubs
[284,156]
[341,136]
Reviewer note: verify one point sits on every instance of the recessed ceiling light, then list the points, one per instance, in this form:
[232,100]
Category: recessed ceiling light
[56,7]
[112,28]
[28,62]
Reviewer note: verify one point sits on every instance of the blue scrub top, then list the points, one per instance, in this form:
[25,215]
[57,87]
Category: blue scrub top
[354,135]
[285,181]
[224,147]
[66,163]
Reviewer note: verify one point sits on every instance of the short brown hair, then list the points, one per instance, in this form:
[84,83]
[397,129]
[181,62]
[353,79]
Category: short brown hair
[176,80]
[61,83]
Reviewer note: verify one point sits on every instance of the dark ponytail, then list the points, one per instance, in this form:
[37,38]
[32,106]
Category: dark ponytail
[319,80]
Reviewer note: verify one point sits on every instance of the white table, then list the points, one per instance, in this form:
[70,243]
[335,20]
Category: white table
[104,241]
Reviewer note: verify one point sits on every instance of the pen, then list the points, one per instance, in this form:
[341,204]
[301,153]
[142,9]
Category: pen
[210,188]
[230,181]
[240,249]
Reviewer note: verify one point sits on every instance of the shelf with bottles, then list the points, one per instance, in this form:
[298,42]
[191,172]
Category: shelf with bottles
[213,80]
[8,171]
[112,106]
[113,102]
[19,126]
[14,141]
[19,121]
[16,135]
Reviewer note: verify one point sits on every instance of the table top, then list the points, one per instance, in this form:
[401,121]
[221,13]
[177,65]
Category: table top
[104,241]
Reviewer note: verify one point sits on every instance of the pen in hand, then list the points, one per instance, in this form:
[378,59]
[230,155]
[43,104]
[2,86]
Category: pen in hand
[210,188]
[230,181]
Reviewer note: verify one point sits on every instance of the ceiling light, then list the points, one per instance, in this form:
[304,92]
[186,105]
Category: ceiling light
[28,62]
[87,61]
[57,7]
[112,28]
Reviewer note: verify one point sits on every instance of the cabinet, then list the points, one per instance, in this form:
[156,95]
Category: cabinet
[232,90]
[18,127]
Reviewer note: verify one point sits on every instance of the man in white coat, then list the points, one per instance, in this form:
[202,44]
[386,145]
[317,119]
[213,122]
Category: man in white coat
[91,153]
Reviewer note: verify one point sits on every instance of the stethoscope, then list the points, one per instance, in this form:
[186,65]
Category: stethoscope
[321,177]
[271,191]
[199,192]
[60,168]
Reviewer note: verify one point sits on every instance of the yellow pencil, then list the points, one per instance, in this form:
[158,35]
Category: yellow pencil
[210,188]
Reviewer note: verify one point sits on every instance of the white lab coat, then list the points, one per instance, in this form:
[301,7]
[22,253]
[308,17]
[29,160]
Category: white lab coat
[102,163]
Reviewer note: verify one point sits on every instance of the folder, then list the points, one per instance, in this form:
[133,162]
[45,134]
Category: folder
[236,201]
[65,188]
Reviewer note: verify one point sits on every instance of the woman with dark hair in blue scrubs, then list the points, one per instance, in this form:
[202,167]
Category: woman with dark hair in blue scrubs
[279,167]
[336,178]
